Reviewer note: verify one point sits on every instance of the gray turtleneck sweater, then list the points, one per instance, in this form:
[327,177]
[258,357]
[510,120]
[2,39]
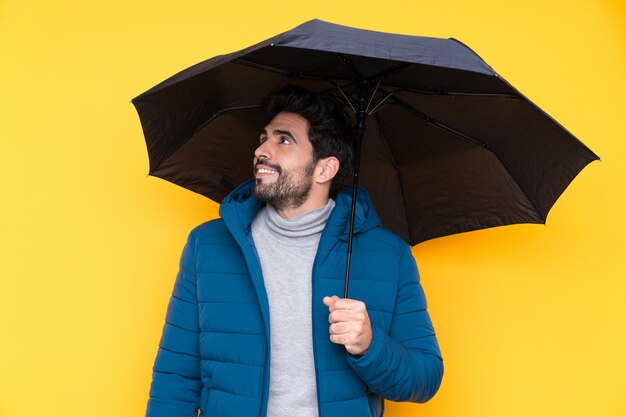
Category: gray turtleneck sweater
[286,249]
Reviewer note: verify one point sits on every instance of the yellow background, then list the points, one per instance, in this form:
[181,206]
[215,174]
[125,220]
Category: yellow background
[531,319]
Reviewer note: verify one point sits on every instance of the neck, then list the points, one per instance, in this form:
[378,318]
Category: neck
[309,205]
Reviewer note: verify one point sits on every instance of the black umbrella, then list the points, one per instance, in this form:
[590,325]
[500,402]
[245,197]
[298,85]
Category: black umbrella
[448,145]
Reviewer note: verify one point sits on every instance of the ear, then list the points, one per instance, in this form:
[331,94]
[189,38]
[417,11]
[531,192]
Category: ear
[326,169]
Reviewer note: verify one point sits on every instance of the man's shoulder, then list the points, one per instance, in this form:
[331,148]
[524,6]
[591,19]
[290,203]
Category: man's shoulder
[383,239]
[211,230]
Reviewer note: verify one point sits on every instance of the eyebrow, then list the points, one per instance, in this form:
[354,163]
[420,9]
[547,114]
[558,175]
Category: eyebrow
[281,132]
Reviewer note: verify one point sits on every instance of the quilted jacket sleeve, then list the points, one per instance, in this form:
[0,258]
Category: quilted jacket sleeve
[176,385]
[406,364]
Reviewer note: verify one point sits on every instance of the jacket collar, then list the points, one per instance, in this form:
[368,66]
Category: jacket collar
[240,207]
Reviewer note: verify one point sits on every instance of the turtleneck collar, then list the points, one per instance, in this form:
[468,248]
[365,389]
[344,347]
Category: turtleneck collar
[301,226]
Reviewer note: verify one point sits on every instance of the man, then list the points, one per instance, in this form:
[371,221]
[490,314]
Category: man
[254,327]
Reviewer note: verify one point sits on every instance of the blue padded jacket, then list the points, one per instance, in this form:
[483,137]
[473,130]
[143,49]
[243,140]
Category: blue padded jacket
[214,353]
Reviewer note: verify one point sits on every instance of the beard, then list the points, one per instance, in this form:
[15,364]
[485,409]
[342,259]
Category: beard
[290,190]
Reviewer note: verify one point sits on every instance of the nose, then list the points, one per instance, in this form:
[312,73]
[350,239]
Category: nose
[263,150]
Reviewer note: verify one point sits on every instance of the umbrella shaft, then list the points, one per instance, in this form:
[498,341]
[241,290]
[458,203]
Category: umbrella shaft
[359,133]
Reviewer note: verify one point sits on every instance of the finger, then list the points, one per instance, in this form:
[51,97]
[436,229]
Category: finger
[346,339]
[349,304]
[354,328]
[345,304]
[336,316]
[340,339]
[329,301]
[339,328]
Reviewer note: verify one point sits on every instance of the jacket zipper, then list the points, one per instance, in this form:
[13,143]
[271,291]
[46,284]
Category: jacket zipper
[266,364]
[313,326]
[263,409]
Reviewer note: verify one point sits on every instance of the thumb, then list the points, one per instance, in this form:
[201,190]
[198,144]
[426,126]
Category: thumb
[328,301]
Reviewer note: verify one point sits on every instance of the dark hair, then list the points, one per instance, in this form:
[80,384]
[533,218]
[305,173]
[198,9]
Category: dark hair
[330,129]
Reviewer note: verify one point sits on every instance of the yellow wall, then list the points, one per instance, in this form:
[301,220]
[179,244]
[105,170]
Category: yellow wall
[531,319]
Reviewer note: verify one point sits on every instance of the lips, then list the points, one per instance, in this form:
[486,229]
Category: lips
[265,171]
[263,168]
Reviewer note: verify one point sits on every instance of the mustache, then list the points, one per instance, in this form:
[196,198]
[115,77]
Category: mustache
[263,161]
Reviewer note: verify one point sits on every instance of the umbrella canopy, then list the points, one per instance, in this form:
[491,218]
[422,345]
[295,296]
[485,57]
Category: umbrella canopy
[449,146]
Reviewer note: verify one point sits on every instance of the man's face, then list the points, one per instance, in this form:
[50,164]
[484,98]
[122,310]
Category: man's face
[283,162]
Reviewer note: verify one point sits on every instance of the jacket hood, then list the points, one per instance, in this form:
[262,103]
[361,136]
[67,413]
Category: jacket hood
[242,206]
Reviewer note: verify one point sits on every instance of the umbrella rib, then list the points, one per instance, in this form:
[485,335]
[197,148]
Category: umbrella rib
[461,94]
[380,103]
[372,95]
[443,126]
[259,66]
[347,62]
[344,95]
[438,123]
[398,173]
[175,148]
[278,70]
